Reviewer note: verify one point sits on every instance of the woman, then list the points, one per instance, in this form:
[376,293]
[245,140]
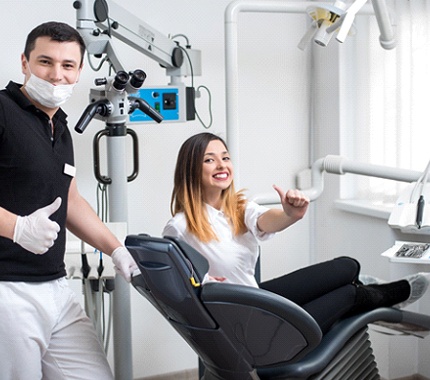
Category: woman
[224,227]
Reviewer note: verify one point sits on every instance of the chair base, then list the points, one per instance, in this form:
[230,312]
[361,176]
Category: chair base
[355,361]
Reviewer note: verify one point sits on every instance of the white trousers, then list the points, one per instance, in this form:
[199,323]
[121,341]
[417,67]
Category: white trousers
[45,334]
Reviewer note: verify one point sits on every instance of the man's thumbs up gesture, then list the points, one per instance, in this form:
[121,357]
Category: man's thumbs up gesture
[36,232]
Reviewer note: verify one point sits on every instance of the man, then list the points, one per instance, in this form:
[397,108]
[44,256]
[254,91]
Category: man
[43,329]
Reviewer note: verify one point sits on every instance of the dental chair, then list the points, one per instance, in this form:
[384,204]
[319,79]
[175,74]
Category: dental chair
[242,333]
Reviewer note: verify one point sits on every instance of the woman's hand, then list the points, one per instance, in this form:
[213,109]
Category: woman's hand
[208,278]
[216,279]
[294,207]
[294,202]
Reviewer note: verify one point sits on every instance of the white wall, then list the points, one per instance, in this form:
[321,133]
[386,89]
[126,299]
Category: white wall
[274,121]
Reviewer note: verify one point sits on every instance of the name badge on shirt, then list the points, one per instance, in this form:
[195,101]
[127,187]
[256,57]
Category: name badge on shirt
[69,170]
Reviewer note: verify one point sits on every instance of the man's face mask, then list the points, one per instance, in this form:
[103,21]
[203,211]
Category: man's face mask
[46,93]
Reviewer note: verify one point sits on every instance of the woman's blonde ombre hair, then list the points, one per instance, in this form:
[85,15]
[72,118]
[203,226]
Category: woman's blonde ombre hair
[187,194]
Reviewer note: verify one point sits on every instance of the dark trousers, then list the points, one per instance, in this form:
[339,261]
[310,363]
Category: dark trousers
[326,290]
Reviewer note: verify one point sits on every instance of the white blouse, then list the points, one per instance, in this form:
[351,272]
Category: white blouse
[232,257]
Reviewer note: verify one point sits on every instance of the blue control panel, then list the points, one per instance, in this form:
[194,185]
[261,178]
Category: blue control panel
[164,100]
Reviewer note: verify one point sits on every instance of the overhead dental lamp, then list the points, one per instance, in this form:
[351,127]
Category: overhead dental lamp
[328,20]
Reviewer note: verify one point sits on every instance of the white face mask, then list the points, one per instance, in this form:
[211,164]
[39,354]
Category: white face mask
[46,93]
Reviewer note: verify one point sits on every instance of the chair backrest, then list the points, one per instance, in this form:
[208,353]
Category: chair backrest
[169,280]
[232,328]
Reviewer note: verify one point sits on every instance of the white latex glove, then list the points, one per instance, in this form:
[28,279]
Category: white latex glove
[123,262]
[36,232]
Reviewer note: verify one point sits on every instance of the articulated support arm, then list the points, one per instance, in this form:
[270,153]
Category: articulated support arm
[341,165]
[98,23]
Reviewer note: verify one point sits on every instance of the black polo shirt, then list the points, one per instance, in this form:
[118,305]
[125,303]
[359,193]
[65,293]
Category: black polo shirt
[32,175]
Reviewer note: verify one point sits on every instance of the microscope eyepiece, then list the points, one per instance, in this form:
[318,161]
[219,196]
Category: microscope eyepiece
[120,81]
[137,78]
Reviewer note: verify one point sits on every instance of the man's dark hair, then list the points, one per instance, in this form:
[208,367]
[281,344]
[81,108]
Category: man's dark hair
[57,31]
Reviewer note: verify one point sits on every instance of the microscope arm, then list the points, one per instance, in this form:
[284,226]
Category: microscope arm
[94,16]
